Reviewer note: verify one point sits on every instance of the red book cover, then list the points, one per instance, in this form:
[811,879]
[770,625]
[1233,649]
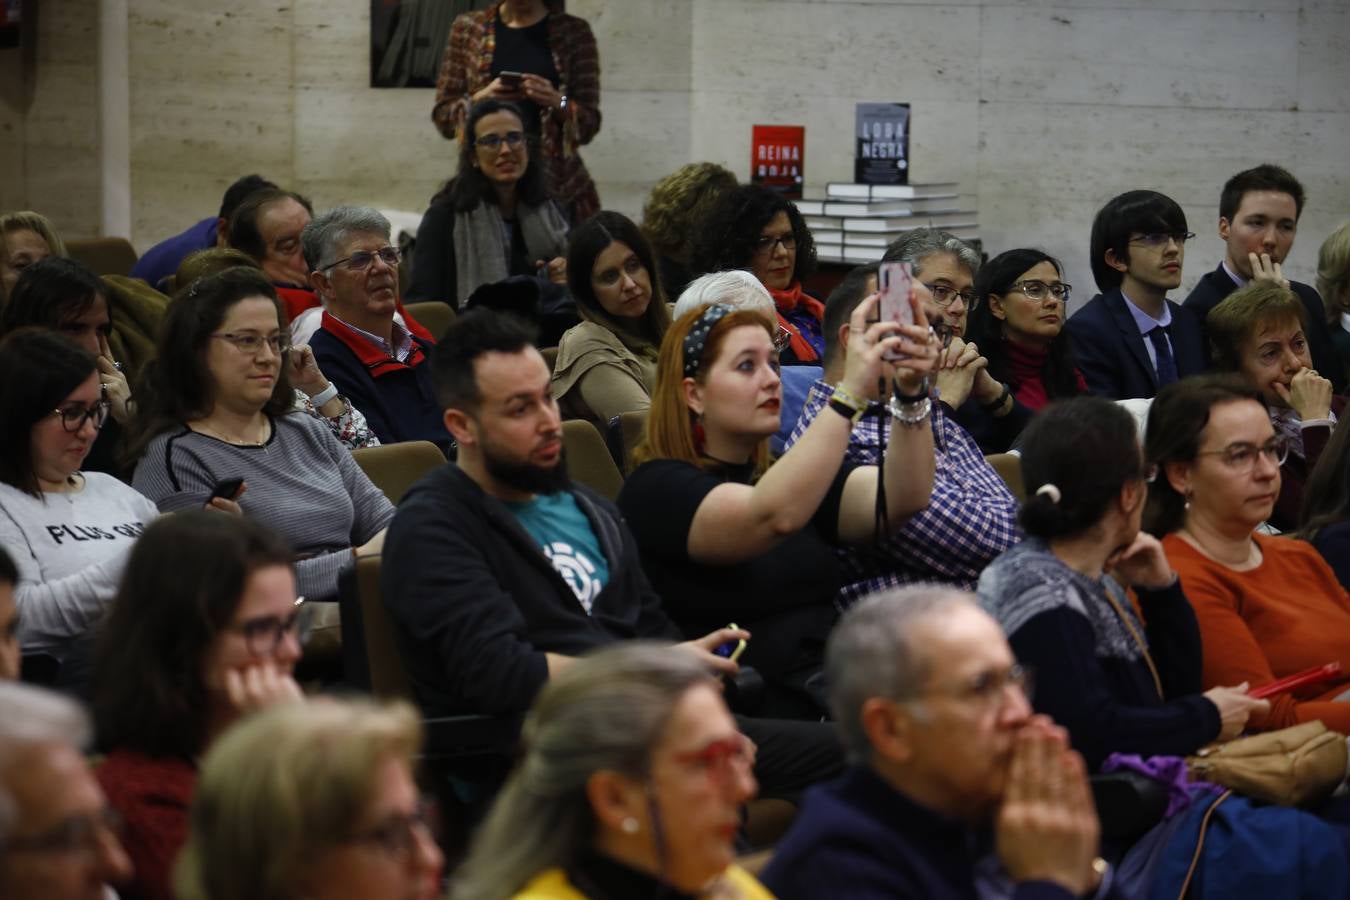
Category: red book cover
[776,153]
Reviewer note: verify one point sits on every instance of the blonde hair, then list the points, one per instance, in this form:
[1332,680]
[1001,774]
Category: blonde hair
[1333,272]
[27,220]
[282,787]
[211,261]
[679,204]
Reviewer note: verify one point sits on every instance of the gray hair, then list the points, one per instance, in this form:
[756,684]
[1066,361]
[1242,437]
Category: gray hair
[872,653]
[30,715]
[327,231]
[916,246]
[735,288]
[605,712]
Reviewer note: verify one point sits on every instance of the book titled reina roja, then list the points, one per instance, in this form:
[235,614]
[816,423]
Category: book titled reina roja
[776,154]
[881,154]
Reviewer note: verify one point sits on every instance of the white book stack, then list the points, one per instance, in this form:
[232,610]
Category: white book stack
[854,223]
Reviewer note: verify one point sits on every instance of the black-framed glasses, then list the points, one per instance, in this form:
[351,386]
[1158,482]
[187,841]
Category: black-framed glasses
[75,834]
[361,260]
[512,139]
[397,834]
[1158,239]
[249,343]
[765,243]
[75,415]
[1035,289]
[1242,455]
[610,277]
[263,635]
[945,296]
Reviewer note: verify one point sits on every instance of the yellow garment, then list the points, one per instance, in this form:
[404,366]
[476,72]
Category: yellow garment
[734,883]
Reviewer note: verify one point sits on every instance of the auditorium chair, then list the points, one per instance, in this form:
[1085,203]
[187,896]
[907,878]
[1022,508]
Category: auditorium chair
[1009,468]
[433,315]
[393,468]
[588,460]
[550,355]
[106,256]
[624,434]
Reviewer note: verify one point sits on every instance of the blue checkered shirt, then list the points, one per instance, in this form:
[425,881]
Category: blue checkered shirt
[971,516]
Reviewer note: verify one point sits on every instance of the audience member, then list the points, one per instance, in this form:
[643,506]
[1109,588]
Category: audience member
[58,838]
[533,53]
[25,238]
[1268,607]
[1333,283]
[1325,518]
[377,361]
[217,406]
[10,658]
[755,228]
[498,571]
[631,785]
[1120,680]
[267,226]
[1259,211]
[1130,340]
[205,629]
[494,218]
[674,215]
[316,801]
[69,531]
[725,537]
[949,767]
[162,260]
[607,364]
[1260,333]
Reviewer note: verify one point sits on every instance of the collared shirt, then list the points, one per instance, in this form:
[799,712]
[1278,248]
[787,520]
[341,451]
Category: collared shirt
[1146,323]
[402,341]
[1237,279]
[971,516]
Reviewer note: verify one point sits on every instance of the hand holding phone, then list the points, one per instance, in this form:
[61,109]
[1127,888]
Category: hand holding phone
[731,650]
[226,489]
[511,80]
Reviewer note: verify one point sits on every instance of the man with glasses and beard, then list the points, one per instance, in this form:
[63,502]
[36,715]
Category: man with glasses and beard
[498,570]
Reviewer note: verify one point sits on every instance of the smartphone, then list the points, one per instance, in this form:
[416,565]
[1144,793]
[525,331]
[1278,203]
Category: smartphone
[226,489]
[893,282]
[731,650]
[1297,680]
[511,79]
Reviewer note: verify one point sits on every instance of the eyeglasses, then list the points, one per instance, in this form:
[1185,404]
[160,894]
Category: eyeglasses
[765,243]
[397,834]
[945,296]
[263,635]
[610,277]
[989,689]
[76,834]
[1241,456]
[782,339]
[1159,239]
[361,260]
[513,140]
[74,416]
[720,760]
[1034,289]
[248,343]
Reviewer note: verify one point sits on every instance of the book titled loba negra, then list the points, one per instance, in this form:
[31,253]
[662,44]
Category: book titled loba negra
[882,143]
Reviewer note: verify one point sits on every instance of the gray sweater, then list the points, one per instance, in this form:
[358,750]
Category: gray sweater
[302,483]
[70,549]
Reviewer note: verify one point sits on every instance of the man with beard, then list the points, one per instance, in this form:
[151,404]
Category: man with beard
[498,571]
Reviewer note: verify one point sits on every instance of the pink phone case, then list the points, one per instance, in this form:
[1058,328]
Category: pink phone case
[893,283]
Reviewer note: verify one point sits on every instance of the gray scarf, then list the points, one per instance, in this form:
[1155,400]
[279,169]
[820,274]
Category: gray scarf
[483,242]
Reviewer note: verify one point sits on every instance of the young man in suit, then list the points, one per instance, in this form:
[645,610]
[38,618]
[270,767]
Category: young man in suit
[1258,217]
[1130,340]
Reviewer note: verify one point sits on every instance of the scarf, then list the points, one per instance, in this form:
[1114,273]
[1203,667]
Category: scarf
[1026,371]
[482,242]
[806,311]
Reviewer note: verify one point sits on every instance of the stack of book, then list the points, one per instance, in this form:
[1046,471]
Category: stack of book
[854,223]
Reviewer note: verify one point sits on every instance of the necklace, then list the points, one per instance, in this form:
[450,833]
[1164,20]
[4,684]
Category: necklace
[1252,560]
[201,428]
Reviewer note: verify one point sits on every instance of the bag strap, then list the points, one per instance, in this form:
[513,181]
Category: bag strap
[1138,639]
[1200,843]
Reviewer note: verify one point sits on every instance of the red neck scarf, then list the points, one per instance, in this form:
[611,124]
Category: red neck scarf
[789,300]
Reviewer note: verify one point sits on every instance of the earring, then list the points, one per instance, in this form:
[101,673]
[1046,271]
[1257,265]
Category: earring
[630,825]
[1187,496]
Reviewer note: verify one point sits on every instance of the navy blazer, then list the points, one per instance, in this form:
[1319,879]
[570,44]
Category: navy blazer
[1217,285]
[1110,350]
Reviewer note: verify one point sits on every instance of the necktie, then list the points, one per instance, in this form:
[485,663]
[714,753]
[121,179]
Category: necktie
[1167,366]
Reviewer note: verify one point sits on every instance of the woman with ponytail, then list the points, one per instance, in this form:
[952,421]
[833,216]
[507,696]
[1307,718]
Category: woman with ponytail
[1119,684]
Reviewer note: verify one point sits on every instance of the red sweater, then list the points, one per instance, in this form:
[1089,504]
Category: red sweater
[1286,615]
[152,794]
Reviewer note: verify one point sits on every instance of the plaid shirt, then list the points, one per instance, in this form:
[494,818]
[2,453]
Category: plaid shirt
[971,516]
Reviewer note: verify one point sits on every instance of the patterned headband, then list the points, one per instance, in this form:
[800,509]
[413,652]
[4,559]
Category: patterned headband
[697,338]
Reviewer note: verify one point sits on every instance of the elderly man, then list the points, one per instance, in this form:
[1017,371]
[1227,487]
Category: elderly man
[58,837]
[943,745]
[376,361]
[267,226]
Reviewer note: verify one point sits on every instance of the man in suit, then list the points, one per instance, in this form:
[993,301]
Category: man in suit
[1130,340]
[1258,217]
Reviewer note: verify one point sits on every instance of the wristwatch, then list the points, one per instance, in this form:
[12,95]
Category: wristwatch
[847,404]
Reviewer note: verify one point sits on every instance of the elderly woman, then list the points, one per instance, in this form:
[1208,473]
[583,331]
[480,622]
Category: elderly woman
[218,409]
[25,238]
[674,216]
[316,802]
[206,628]
[726,538]
[630,785]
[607,364]
[494,218]
[1257,332]
[1268,607]
[1333,283]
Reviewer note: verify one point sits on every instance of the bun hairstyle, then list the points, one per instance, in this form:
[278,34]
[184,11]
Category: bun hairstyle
[1076,456]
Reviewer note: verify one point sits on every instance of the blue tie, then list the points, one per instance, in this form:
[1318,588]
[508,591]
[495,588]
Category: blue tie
[1167,366]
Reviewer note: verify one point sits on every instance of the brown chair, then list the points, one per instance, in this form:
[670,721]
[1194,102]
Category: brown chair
[433,315]
[393,468]
[1009,468]
[625,433]
[588,460]
[550,356]
[106,256]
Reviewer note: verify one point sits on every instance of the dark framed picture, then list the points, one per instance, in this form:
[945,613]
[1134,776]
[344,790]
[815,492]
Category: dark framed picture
[407,38]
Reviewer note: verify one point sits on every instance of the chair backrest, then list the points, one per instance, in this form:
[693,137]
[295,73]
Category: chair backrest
[433,315]
[588,460]
[106,256]
[393,468]
[550,355]
[388,678]
[1009,468]
[625,433]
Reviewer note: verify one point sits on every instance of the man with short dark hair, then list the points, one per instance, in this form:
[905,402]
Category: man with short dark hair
[1130,340]
[1259,211]
[267,226]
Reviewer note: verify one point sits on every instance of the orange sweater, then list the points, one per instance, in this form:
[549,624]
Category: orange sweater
[1286,615]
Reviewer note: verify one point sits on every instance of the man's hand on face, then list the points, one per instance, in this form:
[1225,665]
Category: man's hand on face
[1263,269]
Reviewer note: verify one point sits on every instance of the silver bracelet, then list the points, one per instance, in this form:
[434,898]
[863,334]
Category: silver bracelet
[324,395]
[910,414]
